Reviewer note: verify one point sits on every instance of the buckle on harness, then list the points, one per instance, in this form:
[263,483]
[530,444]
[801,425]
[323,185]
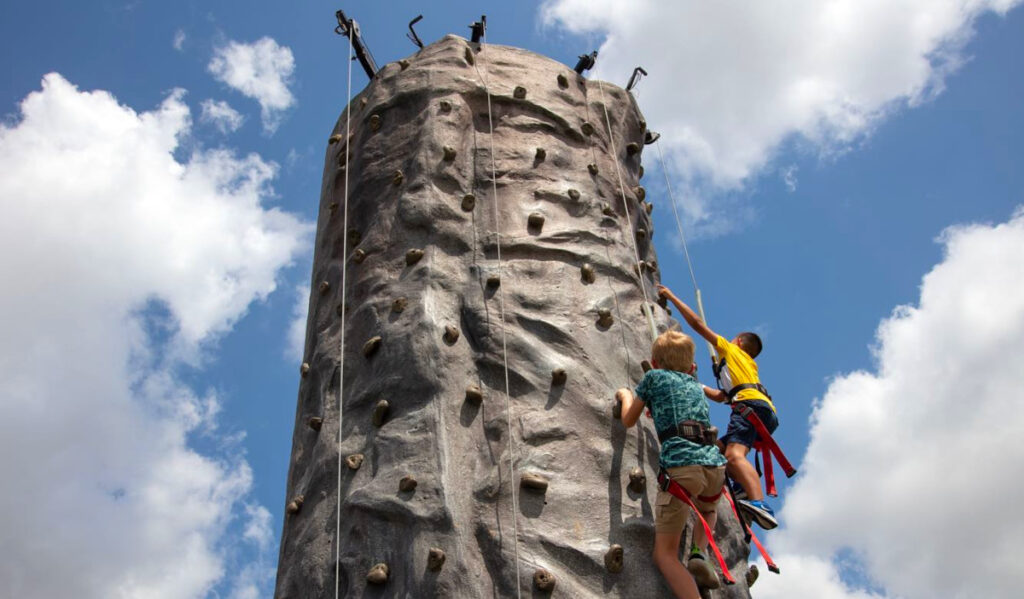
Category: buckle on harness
[694,431]
[663,480]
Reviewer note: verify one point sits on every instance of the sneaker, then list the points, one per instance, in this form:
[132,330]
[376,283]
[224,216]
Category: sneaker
[702,572]
[761,513]
[751,576]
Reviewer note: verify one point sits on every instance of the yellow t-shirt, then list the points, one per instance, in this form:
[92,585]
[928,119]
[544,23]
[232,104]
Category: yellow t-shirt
[739,368]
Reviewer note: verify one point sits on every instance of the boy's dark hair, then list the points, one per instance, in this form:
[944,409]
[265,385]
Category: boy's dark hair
[751,343]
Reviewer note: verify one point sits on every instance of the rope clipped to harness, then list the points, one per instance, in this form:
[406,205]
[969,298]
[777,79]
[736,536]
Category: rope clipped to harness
[667,484]
[749,533]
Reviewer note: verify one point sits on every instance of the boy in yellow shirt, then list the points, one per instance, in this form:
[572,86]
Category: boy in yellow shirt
[739,376]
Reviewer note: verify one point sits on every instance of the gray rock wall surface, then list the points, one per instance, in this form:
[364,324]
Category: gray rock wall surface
[421,267]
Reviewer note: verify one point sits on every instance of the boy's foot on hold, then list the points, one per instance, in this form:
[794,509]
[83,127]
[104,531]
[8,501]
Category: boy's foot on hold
[703,574]
[761,513]
[751,576]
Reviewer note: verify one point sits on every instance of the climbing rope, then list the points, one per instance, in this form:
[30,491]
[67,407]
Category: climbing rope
[501,306]
[629,220]
[341,349]
[682,236]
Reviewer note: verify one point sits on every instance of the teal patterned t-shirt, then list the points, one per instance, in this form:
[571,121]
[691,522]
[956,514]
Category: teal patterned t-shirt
[673,397]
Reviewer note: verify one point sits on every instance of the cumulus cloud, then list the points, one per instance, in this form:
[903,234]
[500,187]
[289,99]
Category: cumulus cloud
[731,82]
[913,469]
[262,71]
[120,264]
[221,115]
[179,40]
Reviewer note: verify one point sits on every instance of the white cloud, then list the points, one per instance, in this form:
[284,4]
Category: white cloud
[914,469]
[297,329]
[221,115]
[789,177]
[731,82]
[262,71]
[179,40]
[118,263]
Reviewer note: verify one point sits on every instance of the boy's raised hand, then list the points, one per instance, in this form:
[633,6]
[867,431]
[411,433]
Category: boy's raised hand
[664,292]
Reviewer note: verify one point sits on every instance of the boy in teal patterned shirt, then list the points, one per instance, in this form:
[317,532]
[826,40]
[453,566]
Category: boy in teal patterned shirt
[677,404]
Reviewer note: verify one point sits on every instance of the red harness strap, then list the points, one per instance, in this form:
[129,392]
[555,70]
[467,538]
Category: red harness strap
[766,445]
[667,484]
[764,553]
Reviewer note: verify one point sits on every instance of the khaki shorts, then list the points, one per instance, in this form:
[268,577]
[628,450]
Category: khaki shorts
[670,513]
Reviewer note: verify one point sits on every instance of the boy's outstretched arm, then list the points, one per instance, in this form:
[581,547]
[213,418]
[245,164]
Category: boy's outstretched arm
[716,395]
[632,406]
[691,317]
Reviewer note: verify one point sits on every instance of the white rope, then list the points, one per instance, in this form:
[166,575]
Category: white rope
[341,352]
[501,305]
[682,236]
[629,220]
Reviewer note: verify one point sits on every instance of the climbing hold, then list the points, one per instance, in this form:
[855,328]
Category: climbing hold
[493,281]
[304,369]
[474,395]
[544,580]
[643,124]
[540,155]
[435,559]
[535,220]
[632,149]
[333,207]
[558,376]
[652,265]
[315,423]
[640,172]
[335,138]
[451,334]
[397,178]
[592,168]
[380,413]
[378,574]
[587,273]
[449,153]
[532,480]
[413,256]
[295,504]
[399,304]
[641,234]
[574,194]
[519,92]
[371,346]
[407,484]
[563,81]
[469,56]
[604,317]
[404,64]
[613,559]
[446,106]
[354,237]
[364,101]
[324,287]
[751,576]
[648,207]
[637,480]
[358,256]
[375,121]
[645,365]
[587,129]
[663,303]
[607,210]
[468,202]
[354,461]
[640,193]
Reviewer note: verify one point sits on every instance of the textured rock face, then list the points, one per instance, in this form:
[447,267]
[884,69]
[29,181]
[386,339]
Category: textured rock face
[426,484]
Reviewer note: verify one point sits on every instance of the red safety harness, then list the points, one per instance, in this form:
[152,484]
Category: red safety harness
[667,484]
[766,445]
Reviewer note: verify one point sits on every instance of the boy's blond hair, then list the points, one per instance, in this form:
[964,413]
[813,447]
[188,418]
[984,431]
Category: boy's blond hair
[673,350]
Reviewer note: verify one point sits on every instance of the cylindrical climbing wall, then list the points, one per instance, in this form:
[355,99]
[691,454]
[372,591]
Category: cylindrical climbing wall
[437,483]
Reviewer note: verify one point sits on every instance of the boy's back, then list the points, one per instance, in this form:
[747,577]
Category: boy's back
[675,397]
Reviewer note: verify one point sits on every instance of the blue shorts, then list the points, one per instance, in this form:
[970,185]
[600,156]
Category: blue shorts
[742,431]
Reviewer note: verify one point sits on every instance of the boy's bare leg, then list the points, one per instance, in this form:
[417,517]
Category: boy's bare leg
[666,557]
[742,471]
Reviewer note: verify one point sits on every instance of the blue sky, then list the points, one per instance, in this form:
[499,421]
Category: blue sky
[814,263]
